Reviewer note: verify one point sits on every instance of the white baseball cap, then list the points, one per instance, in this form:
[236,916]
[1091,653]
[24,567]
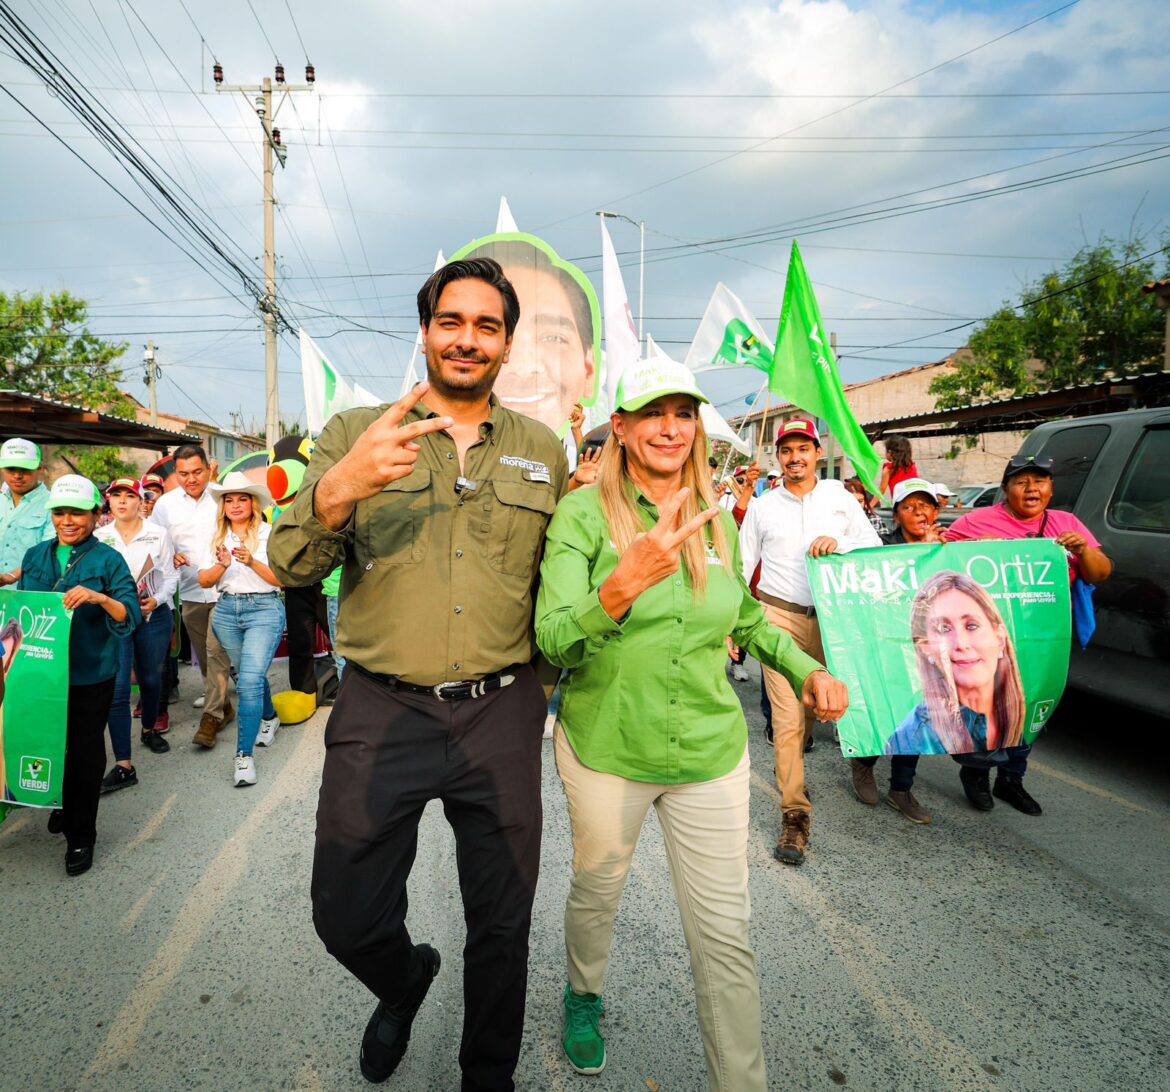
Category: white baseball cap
[74,491]
[943,490]
[914,485]
[18,454]
[646,380]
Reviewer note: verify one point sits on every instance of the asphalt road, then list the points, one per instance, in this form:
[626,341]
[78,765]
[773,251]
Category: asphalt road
[983,952]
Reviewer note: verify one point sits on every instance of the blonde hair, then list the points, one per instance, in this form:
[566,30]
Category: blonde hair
[938,685]
[251,537]
[626,519]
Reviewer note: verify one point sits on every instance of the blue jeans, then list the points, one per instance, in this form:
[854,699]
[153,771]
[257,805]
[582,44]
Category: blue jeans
[250,627]
[144,650]
[331,604]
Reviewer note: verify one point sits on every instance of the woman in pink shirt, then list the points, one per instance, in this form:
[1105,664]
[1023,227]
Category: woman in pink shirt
[1025,513]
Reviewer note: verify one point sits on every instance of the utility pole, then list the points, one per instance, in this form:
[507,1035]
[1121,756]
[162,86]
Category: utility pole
[153,375]
[271,146]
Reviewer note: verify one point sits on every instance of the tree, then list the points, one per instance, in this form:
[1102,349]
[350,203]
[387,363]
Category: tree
[46,350]
[1071,326]
[100,464]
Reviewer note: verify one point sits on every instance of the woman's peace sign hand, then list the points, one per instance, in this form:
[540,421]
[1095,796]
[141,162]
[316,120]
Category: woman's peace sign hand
[652,556]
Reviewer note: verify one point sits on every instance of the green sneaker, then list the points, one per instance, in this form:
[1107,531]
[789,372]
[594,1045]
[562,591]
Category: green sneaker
[582,1036]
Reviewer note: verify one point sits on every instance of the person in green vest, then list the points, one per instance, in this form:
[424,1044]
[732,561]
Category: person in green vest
[97,586]
[641,585]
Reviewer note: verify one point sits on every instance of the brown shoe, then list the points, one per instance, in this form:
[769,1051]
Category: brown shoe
[793,838]
[229,714]
[908,806]
[864,786]
[208,726]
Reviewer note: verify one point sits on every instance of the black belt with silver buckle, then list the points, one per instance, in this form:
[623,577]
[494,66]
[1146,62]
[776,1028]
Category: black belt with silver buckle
[450,691]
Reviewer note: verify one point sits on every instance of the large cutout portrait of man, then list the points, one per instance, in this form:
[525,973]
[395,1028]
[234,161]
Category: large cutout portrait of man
[557,344]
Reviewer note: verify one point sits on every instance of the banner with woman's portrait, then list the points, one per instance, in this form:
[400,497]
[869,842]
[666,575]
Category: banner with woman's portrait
[34,697]
[946,649]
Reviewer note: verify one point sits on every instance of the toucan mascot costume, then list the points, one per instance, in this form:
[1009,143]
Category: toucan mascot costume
[304,607]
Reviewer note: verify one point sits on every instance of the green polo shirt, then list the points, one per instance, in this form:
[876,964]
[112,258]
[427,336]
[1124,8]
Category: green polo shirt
[438,578]
[649,699]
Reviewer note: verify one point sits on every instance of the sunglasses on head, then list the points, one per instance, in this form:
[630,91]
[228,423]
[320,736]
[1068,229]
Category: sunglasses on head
[1030,462]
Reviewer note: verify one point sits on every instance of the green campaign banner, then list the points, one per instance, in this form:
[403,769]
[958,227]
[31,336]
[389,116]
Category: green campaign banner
[34,697]
[946,649]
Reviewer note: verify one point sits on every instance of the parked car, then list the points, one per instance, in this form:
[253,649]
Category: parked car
[977,496]
[1113,471]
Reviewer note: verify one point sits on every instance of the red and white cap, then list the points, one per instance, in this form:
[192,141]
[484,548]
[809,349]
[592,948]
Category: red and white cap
[130,485]
[799,426]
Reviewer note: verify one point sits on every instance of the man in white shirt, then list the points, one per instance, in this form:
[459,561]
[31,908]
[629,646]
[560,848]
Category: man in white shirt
[803,517]
[188,513]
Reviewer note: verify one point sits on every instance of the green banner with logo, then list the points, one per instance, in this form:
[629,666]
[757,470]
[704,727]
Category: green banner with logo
[34,697]
[946,649]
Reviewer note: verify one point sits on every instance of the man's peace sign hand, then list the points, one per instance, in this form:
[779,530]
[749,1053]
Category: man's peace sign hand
[385,452]
[652,556]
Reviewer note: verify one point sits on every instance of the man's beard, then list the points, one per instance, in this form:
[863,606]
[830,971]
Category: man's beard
[464,388]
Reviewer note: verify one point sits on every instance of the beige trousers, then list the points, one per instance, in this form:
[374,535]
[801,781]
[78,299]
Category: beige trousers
[214,664]
[705,828]
[792,723]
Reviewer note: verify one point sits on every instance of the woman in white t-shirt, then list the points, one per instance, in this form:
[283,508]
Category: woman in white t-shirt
[149,554]
[249,616]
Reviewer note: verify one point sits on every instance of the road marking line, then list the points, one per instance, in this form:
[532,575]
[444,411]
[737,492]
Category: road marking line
[198,912]
[1084,786]
[135,912]
[861,957]
[151,828]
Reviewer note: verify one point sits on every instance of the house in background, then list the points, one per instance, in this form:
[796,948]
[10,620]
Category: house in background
[222,445]
[900,394]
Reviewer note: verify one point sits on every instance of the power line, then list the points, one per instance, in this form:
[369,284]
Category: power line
[612,202]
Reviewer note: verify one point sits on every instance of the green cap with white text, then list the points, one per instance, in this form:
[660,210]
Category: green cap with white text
[646,380]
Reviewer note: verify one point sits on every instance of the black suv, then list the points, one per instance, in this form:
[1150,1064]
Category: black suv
[1113,472]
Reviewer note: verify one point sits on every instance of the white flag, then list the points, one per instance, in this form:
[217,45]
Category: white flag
[729,336]
[505,221]
[410,379]
[326,393]
[621,335]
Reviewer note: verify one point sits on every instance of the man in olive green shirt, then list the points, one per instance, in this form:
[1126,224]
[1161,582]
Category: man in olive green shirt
[436,512]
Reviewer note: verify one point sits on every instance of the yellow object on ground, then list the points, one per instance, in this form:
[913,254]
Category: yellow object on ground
[294,706]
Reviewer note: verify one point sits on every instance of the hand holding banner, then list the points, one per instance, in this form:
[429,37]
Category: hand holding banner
[945,648]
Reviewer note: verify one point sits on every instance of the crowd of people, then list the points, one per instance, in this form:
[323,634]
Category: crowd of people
[628,579]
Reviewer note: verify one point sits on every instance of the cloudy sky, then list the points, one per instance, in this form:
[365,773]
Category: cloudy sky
[931,158]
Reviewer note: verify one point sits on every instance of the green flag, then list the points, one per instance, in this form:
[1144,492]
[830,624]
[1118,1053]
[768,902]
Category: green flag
[805,373]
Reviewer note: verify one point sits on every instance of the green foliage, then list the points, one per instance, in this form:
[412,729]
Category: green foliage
[1070,327]
[46,350]
[100,464]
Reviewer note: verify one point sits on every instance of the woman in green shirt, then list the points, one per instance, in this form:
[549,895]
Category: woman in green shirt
[640,586]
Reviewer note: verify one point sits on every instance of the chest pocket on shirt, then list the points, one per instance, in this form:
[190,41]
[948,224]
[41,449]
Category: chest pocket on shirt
[396,525]
[518,525]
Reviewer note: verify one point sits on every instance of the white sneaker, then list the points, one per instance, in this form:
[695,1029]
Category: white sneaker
[245,771]
[550,722]
[739,673]
[268,731]
[198,702]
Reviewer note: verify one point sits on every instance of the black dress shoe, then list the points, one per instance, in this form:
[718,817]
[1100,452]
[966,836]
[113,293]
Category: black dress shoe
[78,860]
[1011,790]
[976,786]
[56,821]
[388,1032]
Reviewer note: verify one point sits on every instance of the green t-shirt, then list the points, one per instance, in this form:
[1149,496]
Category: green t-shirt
[63,554]
[331,585]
